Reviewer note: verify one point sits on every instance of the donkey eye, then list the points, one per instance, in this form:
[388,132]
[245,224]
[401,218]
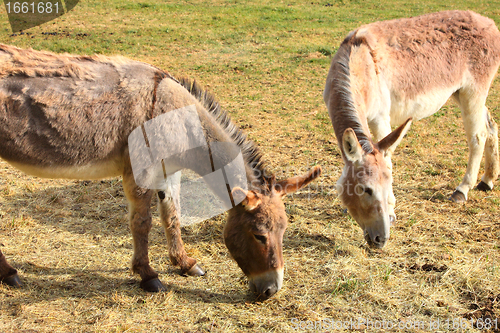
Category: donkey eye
[368,191]
[261,238]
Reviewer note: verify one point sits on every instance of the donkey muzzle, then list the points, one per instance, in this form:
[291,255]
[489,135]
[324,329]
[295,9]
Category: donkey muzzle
[375,241]
[266,284]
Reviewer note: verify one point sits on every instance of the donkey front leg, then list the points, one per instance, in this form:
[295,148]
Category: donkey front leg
[169,217]
[140,224]
[475,127]
[8,275]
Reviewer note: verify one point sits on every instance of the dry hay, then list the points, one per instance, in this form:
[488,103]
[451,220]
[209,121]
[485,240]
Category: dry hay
[71,244]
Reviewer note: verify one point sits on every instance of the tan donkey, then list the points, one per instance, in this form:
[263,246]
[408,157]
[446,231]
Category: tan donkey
[65,116]
[388,73]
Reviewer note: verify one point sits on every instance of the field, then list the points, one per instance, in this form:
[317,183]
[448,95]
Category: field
[266,62]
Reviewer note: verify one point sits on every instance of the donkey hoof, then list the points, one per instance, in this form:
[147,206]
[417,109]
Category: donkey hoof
[153,285]
[458,197]
[195,271]
[13,281]
[482,186]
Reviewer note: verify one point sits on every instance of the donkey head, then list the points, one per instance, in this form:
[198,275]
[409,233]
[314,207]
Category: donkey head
[254,232]
[366,183]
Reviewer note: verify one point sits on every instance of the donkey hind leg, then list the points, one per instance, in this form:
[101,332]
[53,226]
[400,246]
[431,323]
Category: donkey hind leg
[491,165]
[473,116]
[8,275]
[169,217]
[380,130]
[140,224]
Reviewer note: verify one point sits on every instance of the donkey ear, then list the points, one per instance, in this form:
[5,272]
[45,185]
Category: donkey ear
[249,199]
[293,184]
[391,141]
[352,149]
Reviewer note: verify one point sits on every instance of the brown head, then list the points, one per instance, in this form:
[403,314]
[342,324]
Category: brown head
[254,232]
[366,183]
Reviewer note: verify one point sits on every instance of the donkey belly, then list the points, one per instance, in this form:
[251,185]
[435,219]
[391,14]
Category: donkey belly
[419,106]
[97,170]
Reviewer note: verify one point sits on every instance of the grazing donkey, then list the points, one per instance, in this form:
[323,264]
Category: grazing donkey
[387,73]
[66,116]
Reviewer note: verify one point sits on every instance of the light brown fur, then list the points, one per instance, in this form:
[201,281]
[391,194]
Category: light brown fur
[65,116]
[387,72]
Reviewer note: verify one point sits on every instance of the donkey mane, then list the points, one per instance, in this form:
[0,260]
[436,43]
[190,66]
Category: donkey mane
[249,149]
[346,114]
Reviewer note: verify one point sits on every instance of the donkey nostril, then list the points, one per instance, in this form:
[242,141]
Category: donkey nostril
[377,239]
[268,292]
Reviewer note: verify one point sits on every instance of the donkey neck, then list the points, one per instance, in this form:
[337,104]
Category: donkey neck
[225,140]
[345,100]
